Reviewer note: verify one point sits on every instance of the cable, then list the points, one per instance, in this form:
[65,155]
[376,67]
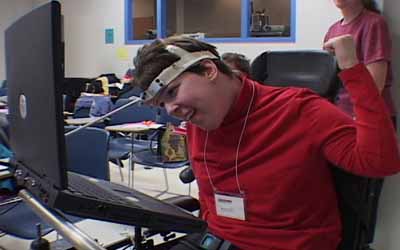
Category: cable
[10,208]
[138,99]
[133,247]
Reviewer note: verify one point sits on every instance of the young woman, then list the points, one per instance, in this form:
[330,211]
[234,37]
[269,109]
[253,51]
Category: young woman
[363,21]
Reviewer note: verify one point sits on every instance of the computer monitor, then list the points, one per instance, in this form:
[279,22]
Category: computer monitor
[35,76]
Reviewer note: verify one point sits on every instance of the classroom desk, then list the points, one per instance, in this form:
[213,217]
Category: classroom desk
[67,113]
[81,121]
[133,129]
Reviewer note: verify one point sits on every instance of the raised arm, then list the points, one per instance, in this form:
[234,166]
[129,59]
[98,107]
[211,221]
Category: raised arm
[367,146]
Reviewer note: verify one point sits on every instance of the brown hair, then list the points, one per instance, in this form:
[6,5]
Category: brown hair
[153,58]
[371,5]
[238,60]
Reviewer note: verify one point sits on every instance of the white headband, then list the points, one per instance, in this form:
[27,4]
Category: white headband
[186,60]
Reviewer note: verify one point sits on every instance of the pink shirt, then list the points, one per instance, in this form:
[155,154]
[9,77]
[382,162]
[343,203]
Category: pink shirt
[373,44]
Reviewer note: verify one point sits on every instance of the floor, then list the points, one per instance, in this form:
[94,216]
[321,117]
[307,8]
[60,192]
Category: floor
[149,181]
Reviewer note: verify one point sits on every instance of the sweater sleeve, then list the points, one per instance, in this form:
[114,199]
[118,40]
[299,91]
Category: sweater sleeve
[366,146]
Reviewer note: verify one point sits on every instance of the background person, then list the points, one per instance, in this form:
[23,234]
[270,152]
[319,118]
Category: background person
[94,99]
[239,63]
[362,20]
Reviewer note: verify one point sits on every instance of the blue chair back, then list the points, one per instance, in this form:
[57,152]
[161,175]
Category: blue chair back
[164,118]
[130,91]
[87,152]
[133,113]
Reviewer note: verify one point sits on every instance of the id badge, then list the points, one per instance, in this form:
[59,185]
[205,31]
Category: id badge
[230,205]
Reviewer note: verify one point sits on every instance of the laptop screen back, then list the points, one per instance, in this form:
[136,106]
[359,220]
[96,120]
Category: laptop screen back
[34,73]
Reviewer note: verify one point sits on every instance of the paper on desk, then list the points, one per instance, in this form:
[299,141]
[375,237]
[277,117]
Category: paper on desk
[142,125]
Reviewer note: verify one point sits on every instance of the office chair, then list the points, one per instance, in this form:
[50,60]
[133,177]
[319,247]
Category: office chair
[86,154]
[81,112]
[317,70]
[134,113]
[120,144]
[3,88]
[153,159]
[128,91]
[72,88]
[163,117]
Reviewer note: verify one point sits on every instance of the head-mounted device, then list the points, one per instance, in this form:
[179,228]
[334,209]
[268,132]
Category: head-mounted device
[186,60]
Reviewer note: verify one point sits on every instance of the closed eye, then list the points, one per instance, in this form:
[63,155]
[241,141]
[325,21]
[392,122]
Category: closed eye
[172,92]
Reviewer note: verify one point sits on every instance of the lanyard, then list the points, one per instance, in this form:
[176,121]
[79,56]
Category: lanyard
[237,148]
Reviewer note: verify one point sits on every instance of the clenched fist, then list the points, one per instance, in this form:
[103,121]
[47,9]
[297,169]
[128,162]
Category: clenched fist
[343,47]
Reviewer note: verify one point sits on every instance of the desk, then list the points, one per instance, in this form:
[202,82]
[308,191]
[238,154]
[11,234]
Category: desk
[132,129]
[81,121]
[67,113]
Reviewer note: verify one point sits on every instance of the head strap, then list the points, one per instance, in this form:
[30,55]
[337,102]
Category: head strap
[186,60]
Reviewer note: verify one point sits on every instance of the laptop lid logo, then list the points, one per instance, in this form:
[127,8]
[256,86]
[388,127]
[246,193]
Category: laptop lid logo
[22,106]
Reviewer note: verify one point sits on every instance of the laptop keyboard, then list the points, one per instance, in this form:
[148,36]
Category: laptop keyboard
[93,189]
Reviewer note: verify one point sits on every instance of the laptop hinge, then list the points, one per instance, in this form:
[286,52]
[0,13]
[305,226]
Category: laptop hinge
[41,188]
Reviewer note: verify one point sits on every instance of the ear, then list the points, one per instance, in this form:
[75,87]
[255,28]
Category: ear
[211,69]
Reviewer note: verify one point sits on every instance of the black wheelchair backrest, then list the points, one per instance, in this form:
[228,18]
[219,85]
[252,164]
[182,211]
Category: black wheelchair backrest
[312,69]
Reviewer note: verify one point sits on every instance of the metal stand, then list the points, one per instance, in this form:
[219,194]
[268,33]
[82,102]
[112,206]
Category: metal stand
[68,230]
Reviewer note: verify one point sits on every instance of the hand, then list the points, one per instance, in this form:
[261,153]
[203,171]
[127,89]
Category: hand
[126,80]
[344,48]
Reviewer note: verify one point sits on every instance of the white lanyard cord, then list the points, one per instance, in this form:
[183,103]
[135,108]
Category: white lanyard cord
[237,148]
[205,162]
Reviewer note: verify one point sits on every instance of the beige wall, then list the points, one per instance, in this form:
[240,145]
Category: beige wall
[9,12]
[85,21]
[87,55]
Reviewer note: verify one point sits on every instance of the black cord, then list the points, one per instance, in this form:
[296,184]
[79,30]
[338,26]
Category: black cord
[10,208]
[125,248]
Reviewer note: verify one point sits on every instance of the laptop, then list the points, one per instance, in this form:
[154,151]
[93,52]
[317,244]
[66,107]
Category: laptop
[34,67]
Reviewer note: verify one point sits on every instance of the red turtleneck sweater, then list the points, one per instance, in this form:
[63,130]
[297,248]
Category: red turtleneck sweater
[291,135]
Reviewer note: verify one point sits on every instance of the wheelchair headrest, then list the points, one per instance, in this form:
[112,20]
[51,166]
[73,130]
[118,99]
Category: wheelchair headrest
[312,69]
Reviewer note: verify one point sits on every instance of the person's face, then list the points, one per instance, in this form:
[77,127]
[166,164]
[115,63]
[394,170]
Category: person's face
[341,4]
[193,97]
